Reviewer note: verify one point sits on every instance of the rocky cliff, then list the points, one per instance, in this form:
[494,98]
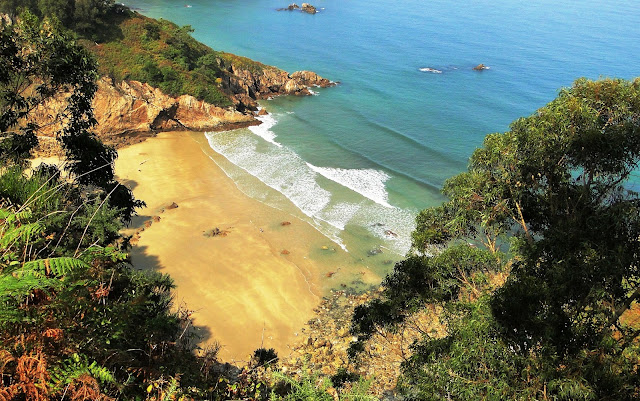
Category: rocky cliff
[247,81]
[129,111]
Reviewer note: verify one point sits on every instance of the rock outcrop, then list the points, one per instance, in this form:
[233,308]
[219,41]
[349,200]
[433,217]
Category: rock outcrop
[247,85]
[306,7]
[129,111]
[480,67]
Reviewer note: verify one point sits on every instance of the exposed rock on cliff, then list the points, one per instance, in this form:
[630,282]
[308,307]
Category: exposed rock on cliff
[250,82]
[129,111]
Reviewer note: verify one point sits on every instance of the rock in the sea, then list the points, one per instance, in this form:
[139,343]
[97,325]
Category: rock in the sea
[480,67]
[308,8]
[292,6]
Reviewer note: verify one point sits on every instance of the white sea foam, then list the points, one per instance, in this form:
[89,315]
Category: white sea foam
[284,171]
[339,215]
[383,223]
[431,70]
[281,169]
[264,129]
[367,182]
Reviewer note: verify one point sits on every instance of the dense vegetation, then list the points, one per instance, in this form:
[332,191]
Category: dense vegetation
[534,260]
[129,46]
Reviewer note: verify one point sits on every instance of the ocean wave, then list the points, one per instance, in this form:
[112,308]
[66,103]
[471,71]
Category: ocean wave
[367,182]
[264,129]
[284,171]
[431,70]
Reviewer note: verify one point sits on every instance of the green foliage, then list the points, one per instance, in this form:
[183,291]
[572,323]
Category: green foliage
[551,194]
[309,387]
[418,280]
[165,56]
[471,363]
[39,61]
[38,52]
[344,376]
[75,366]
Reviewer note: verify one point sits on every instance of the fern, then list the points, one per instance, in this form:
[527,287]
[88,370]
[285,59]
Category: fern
[10,234]
[58,267]
[76,366]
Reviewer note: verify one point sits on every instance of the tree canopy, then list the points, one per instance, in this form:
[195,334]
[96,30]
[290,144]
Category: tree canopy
[547,202]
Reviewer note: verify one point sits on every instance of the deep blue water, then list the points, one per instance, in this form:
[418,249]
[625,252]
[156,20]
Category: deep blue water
[364,157]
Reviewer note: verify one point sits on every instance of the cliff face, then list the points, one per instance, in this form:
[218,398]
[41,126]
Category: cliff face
[129,111]
[247,85]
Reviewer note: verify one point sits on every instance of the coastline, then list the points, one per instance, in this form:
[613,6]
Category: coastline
[245,291]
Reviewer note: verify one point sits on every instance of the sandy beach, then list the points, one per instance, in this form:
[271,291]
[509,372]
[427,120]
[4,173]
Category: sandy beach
[246,289]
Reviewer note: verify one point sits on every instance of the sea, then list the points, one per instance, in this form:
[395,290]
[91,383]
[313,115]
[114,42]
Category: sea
[360,160]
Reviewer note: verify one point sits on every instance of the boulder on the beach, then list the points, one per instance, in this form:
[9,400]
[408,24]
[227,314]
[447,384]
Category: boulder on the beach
[285,223]
[480,67]
[262,112]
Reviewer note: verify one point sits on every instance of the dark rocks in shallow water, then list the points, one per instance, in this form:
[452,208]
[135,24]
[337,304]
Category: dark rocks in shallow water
[306,7]
[480,67]
[374,251]
[390,233]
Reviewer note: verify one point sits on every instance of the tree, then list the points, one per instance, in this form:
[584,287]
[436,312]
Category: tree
[550,199]
[39,63]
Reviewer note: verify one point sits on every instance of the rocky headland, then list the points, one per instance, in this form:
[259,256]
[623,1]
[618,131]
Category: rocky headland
[127,112]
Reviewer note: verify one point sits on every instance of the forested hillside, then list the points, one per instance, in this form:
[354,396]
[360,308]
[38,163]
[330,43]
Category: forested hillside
[533,259]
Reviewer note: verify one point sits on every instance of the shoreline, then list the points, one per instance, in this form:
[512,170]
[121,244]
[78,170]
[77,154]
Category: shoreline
[246,290]
[261,279]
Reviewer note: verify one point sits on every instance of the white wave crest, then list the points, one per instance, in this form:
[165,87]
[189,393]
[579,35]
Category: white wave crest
[279,168]
[367,182]
[264,129]
[431,70]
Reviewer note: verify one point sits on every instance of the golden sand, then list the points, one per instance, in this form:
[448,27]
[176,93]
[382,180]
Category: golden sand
[253,287]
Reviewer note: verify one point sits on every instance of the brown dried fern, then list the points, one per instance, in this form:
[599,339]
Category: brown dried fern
[85,388]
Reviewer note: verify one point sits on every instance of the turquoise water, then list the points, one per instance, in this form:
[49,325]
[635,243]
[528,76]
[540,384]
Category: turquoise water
[359,160]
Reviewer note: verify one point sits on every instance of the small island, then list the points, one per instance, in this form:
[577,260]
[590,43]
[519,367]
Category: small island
[306,7]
